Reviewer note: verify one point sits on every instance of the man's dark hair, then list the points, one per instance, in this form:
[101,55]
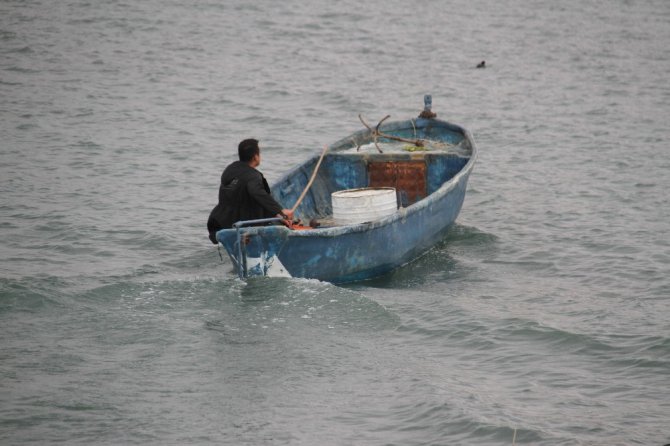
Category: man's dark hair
[248,149]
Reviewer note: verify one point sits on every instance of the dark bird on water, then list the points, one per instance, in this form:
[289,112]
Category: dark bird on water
[481,64]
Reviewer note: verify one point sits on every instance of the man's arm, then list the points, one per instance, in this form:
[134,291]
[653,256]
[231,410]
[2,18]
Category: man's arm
[262,197]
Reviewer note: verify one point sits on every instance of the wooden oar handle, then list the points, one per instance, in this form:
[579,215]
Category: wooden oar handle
[311,180]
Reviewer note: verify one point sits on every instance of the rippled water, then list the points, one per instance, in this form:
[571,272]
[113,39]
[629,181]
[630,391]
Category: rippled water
[543,316]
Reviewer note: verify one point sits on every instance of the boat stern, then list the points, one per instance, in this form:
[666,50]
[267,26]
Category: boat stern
[255,250]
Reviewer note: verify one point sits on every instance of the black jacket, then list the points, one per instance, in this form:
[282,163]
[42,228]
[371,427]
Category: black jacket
[244,194]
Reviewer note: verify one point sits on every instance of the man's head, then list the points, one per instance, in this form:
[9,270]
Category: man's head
[248,150]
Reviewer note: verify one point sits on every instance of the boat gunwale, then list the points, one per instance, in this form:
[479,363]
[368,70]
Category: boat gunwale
[401,213]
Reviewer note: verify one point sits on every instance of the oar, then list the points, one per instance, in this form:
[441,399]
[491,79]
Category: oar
[311,180]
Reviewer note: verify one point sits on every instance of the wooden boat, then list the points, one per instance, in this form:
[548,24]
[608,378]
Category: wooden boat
[428,166]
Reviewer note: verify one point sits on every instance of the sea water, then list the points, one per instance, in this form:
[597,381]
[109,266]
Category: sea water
[542,318]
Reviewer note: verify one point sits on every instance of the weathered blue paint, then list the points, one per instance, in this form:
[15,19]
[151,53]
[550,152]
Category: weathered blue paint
[357,252]
[264,245]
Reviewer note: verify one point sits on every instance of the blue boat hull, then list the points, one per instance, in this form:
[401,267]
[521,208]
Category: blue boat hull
[361,251]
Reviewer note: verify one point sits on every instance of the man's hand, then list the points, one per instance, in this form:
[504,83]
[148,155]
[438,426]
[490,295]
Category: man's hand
[287,214]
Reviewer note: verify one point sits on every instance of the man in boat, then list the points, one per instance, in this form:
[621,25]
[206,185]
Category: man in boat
[244,193]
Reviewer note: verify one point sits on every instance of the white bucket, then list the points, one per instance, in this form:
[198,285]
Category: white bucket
[353,206]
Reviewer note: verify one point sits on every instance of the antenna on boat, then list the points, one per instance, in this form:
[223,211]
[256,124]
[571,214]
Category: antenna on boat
[427,105]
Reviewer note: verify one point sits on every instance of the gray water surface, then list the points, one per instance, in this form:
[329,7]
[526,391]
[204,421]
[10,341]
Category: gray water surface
[544,313]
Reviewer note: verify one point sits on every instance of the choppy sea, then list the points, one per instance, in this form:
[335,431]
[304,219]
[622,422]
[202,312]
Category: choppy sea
[543,318]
